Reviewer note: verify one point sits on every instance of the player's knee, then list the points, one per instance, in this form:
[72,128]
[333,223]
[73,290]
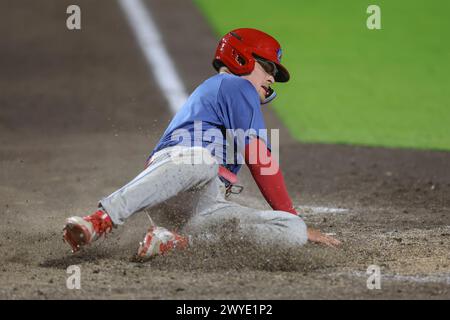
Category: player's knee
[295,229]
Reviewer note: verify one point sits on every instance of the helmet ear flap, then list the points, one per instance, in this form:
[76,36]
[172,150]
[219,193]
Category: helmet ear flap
[245,62]
[239,59]
[234,55]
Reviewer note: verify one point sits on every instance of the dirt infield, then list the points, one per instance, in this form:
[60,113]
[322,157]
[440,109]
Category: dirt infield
[79,113]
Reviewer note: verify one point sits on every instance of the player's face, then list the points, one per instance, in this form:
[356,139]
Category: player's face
[262,79]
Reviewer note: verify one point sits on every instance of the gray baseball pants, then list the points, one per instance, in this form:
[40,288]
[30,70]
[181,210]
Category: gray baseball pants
[172,173]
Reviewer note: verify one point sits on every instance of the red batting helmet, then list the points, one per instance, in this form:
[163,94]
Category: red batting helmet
[238,49]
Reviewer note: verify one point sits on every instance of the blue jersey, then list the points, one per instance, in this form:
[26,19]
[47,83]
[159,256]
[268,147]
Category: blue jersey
[223,111]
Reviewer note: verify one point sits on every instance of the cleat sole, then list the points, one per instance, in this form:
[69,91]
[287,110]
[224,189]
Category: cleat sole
[74,235]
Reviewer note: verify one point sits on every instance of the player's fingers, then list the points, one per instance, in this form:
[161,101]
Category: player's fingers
[336,241]
[332,242]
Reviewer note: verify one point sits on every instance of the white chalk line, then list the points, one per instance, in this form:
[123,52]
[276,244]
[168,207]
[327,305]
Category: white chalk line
[157,57]
[318,210]
[435,278]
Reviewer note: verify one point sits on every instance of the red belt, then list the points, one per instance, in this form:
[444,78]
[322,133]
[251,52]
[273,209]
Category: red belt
[228,175]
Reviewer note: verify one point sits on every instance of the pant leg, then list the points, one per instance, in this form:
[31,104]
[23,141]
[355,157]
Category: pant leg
[173,171]
[262,226]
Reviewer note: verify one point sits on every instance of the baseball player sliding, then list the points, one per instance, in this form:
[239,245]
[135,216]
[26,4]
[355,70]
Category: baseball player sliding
[220,124]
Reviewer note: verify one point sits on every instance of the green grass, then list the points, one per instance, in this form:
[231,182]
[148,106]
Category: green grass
[388,87]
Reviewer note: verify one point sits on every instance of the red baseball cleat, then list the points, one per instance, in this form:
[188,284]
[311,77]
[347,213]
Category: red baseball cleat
[159,241]
[80,231]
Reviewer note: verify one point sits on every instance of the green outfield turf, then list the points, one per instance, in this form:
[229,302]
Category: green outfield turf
[388,87]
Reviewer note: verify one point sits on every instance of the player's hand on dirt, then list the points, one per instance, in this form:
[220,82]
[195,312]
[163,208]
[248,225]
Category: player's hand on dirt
[318,237]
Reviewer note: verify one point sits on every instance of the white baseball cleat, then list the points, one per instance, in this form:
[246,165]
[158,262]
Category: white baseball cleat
[159,240]
[80,231]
